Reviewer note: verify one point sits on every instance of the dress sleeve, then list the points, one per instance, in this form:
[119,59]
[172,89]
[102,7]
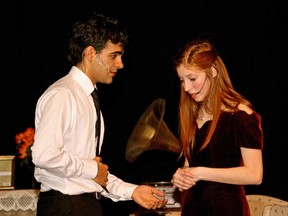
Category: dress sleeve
[248,130]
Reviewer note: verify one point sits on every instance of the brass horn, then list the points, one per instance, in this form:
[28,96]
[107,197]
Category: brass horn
[151,132]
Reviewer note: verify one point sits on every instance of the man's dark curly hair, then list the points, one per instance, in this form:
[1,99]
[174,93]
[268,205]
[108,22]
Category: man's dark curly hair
[96,32]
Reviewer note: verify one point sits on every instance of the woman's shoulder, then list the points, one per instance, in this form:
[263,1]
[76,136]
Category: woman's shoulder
[240,108]
[246,124]
[245,108]
[243,112]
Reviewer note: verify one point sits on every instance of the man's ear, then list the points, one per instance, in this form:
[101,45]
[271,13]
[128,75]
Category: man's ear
[214,72]
[89,53]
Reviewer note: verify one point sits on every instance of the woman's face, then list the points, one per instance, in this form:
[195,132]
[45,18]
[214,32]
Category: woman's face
[194,82]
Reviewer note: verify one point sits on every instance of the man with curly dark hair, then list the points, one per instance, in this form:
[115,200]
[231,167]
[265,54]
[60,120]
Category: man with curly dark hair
[71,173]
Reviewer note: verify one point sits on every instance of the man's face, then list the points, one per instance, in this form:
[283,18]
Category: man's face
[106,63]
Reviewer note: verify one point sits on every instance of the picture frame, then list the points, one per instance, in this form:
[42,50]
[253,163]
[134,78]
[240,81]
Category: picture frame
[7,171]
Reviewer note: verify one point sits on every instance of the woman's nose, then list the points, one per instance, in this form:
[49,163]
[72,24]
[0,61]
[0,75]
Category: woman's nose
[186,87]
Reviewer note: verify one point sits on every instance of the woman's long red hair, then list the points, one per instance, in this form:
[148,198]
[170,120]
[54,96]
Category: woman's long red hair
[202,55]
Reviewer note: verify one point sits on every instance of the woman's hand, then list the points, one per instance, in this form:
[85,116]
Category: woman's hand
[184,178]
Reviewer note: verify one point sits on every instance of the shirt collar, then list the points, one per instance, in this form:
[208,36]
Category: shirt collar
[82,79]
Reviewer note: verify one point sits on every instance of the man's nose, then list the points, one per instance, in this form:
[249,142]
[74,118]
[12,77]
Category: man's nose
[119,64]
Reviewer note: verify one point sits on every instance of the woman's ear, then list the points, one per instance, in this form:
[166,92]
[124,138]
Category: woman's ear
[214,72]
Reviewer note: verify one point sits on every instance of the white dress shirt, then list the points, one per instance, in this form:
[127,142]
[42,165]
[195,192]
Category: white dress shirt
[65,144]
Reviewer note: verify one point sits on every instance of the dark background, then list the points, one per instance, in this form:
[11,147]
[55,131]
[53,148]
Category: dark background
[251,37]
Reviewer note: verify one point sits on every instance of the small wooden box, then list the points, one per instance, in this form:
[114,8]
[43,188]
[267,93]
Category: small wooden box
[7,168]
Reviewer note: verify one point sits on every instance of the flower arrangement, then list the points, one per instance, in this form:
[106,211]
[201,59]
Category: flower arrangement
[24,142]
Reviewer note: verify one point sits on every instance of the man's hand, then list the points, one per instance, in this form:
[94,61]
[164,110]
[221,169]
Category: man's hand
[149,197]
[102,175]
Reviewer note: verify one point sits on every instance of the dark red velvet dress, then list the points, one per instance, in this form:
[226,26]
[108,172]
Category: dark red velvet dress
[234,130]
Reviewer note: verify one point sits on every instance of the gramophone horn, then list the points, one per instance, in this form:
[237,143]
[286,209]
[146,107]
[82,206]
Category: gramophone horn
[151,132]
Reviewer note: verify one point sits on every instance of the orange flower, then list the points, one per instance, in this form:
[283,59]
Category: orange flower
[24,142]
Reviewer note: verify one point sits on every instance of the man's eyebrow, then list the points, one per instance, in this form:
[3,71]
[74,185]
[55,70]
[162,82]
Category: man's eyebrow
[117,52]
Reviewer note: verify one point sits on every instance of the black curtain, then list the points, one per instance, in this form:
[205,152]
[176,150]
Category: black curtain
[251,36]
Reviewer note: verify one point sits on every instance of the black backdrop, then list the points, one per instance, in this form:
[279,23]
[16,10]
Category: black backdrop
[251,36]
